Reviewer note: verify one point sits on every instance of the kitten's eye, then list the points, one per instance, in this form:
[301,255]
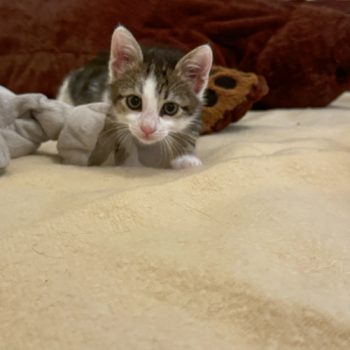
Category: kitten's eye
[169,108]
[134,102]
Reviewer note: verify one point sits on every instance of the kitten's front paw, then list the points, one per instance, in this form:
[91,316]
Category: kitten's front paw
[185,161]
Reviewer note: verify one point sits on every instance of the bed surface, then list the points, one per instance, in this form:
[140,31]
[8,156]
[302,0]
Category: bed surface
[251,251]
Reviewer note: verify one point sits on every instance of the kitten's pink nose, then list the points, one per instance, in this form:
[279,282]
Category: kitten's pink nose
[147,130]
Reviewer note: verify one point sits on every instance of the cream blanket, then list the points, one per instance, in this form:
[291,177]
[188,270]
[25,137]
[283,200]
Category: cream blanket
[251,251]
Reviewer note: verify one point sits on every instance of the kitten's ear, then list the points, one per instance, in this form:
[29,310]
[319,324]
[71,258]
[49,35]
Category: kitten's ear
[195,67]
[125,54]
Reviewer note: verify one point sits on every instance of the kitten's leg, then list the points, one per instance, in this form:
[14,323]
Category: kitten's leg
[131,158]
[185,161]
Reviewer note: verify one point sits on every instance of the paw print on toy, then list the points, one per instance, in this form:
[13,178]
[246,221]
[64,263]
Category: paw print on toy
[229,95]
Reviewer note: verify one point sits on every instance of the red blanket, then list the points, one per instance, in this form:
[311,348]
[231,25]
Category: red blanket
[302,50]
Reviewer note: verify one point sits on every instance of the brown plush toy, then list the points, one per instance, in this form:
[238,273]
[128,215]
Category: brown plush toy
[230,94]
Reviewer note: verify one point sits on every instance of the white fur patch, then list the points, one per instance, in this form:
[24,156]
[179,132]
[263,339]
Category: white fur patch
[186,161]
[106,96]
[150,114]
[63,93]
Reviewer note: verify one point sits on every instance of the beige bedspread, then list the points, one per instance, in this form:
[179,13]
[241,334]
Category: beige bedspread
[252,251]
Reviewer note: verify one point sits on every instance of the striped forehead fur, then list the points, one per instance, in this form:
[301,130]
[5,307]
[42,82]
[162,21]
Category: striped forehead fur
[168,85]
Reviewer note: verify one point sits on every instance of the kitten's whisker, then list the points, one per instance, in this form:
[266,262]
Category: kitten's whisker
[161,144]
[114,133]
[176,147]
[165,153]
[107,136]
[112,129]
[169,148]
[184,139]
[122,137]
[179,149]
[184,142]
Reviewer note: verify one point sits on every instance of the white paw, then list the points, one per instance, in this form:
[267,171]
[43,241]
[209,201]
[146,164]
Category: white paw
[186,161]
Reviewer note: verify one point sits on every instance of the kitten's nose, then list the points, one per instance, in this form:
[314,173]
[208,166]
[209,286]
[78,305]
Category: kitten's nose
[147,130]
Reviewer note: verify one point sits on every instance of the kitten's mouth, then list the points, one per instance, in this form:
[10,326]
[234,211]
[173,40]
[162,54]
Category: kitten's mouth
[149,139]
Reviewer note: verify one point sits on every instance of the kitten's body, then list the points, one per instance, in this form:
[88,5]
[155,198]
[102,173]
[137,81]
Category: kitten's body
[156,79]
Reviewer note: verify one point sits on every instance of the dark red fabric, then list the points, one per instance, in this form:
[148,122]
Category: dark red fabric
[302,50]
[342,5]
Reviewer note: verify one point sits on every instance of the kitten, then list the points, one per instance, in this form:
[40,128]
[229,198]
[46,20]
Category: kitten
[155,95]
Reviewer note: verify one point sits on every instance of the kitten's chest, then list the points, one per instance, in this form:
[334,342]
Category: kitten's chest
[131,158]
[150,156]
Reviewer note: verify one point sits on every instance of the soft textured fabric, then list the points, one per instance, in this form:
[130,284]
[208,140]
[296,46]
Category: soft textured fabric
[28,120]
[301,48]
[251,251]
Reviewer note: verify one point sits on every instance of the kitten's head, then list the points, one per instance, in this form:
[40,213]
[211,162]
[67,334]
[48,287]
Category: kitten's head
[152,95]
